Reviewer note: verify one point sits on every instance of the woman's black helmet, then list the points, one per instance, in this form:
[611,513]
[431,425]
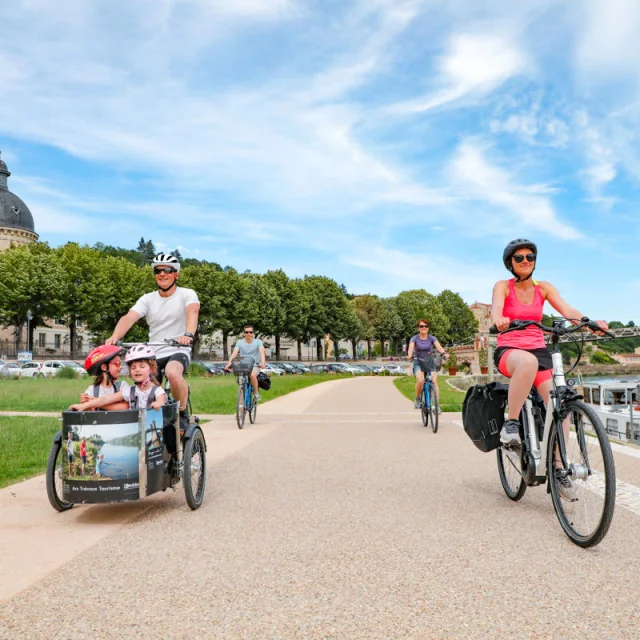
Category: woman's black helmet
[512,247]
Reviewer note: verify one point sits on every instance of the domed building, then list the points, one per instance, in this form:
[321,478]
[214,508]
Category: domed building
[16,221]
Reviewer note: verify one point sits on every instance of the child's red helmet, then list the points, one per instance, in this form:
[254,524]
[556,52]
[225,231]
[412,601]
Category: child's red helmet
[101,355]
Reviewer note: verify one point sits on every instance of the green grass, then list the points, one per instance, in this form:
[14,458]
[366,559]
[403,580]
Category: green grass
[24,447]
[208,395]
[450,400]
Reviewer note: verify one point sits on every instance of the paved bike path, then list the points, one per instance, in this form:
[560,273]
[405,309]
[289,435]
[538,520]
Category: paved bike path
[346,519]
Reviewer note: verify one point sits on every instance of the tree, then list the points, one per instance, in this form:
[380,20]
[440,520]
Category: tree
[387,324]
[326,304]
[599,357]
[125,283]
[352,326]
[462,323]
[85,286]
[147,250]
[288,314]
[368,308]
[31,281]
[416,304]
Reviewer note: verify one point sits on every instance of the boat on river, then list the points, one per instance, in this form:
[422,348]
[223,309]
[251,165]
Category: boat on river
[617,403]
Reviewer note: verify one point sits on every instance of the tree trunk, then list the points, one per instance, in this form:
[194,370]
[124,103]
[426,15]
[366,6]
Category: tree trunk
[17,335]
[368,348]
[277,347]
[31,333]
[382,347]
[319,349]
[72,338]
[225,345]
[353,347]
[299,343]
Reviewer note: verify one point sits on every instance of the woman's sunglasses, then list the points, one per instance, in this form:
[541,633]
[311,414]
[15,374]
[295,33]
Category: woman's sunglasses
[531,257]
[423,326]
[166,270]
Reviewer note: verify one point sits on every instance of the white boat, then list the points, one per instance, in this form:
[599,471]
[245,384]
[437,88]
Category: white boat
[615,402]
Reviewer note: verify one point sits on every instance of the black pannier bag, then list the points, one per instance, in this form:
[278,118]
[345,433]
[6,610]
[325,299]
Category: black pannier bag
[483,414]
[264,381]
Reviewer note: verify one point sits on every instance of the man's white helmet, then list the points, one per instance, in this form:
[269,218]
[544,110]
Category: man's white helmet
[165,259]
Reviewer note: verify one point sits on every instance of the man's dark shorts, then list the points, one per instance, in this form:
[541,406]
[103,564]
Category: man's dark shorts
[182,358]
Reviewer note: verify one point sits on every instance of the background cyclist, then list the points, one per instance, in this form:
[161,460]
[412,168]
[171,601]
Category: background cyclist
[172,313]
[253,348]
[421,347]
[523,355]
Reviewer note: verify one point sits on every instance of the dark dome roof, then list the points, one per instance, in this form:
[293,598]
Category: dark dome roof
[14,213]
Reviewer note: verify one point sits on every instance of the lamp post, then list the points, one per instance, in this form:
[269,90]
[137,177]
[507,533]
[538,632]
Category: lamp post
[29,319]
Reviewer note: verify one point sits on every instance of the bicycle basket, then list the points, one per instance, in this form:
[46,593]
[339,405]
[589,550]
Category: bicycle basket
[483,414]
[430,363]
[242,367]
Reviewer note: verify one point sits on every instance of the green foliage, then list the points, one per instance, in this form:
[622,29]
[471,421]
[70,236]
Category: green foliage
[416,304]
[600,357]
[483,358]
[66,373]
[197,370]
[452,361]
[462,323]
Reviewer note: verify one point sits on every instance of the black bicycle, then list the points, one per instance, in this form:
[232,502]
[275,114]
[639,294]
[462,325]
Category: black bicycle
[565,446]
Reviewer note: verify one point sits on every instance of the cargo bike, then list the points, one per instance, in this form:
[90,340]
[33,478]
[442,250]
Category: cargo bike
[102,457]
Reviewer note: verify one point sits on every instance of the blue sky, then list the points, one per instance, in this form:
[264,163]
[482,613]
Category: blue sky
[389,144]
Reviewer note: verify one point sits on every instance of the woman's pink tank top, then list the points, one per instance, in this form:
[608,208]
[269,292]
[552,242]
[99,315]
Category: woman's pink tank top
[531,337]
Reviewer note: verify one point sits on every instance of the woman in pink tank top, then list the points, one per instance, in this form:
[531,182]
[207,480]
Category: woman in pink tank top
[522,355]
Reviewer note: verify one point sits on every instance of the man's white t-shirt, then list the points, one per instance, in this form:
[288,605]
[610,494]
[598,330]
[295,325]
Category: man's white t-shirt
[167,318]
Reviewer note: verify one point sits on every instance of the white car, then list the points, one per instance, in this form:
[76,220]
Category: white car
[10,369]
[30,369]
[271,369]
[51,367]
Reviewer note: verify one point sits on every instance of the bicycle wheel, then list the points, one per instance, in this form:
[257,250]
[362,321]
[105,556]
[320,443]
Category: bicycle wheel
[240,410]
[253,411]
[195,469]
[424,411]
[586,510]
[433,408]
[510,471]
[54,479]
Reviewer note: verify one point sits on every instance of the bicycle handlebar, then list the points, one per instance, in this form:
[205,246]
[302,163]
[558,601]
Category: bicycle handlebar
[168,342]
[518,325]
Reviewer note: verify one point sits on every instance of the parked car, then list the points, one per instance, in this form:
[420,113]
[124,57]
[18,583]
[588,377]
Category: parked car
[10,369]
[396,370]
[321,368]
[30,369]
[287,367]
[273,369]
[210,367]
[51,367]
[301,365]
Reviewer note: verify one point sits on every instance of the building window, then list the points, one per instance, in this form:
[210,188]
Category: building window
[56,341]
[42,339]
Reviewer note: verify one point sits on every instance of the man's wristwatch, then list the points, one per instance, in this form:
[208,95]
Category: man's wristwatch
[188,335]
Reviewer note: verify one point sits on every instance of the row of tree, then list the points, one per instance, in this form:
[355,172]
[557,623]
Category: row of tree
[96,285]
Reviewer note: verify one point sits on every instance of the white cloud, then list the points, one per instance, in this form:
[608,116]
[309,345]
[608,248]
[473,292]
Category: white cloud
[473,65]
[398,270]
[512,205]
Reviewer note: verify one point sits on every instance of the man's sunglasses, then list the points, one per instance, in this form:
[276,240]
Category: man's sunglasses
[531,257]
[166,270]
[249,332]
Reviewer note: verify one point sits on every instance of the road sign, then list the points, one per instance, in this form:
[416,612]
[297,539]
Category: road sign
[24,356]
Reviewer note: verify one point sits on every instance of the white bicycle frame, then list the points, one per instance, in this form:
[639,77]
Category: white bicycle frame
[535,448]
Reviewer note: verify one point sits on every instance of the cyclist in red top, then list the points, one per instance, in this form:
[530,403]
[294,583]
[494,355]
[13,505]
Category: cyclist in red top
[523,355]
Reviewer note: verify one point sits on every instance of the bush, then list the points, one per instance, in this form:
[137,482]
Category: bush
[68,373]
[452,361]
[197,370]
[602,358]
